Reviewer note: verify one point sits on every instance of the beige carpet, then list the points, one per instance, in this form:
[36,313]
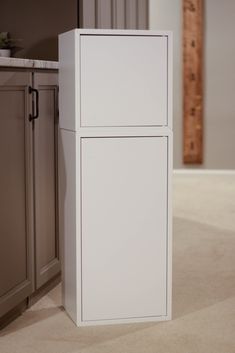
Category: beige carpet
[203,288]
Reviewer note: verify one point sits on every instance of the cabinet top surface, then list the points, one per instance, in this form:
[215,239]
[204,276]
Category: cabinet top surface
[28,63]
[138,32]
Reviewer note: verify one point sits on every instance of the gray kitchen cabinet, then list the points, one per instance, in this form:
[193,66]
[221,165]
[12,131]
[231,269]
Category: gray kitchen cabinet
[29,255]
[16,187]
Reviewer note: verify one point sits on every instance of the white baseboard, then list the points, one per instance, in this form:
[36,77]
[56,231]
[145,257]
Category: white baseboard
[205,171]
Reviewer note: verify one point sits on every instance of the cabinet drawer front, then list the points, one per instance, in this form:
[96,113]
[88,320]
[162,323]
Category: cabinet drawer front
[124,234]
[123,80]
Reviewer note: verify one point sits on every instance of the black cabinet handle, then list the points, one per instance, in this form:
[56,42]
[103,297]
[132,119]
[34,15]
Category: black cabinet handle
[31,116]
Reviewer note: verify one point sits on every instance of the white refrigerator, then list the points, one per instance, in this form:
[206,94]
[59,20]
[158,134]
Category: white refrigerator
[115,165]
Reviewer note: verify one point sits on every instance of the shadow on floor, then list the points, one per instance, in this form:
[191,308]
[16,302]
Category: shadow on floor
[31,317]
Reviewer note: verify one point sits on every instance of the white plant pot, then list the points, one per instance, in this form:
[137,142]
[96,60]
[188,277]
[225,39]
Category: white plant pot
[6,53]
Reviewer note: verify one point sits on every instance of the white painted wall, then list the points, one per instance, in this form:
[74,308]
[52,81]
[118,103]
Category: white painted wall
[219,77]
[166,15]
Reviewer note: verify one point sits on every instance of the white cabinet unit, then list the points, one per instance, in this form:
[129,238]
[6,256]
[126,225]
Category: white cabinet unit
[115,175]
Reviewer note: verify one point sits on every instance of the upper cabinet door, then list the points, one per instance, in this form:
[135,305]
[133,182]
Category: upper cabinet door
[123,80]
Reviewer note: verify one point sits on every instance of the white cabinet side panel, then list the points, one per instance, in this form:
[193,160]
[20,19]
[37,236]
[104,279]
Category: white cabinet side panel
[124,227]
[67,227]
[68,81]
[123,80]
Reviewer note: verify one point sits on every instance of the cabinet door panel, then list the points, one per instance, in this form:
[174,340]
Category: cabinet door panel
[16,216]
[124,219]
[45,163]
[123,80]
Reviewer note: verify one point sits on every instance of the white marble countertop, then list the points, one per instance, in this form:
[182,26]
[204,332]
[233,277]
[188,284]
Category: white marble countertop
[28,63]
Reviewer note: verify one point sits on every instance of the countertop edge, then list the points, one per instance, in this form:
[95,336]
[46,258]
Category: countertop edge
[28,63]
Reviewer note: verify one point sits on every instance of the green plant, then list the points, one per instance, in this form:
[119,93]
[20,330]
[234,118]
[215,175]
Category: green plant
[5,41]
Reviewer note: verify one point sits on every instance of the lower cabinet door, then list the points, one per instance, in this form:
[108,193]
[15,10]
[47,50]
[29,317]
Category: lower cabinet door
[16,206]
[45,179]
[124,227]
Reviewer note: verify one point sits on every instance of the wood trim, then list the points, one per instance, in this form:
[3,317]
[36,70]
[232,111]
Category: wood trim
[13,314]
[28,302]
[193,81]
[46,288]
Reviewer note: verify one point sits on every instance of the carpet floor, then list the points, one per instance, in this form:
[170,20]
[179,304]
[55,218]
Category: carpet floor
[203,288]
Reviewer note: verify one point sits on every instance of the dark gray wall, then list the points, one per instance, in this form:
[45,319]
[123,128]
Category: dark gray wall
[38,23]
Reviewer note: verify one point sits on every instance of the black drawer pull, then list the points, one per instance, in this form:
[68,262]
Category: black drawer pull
[31,116]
